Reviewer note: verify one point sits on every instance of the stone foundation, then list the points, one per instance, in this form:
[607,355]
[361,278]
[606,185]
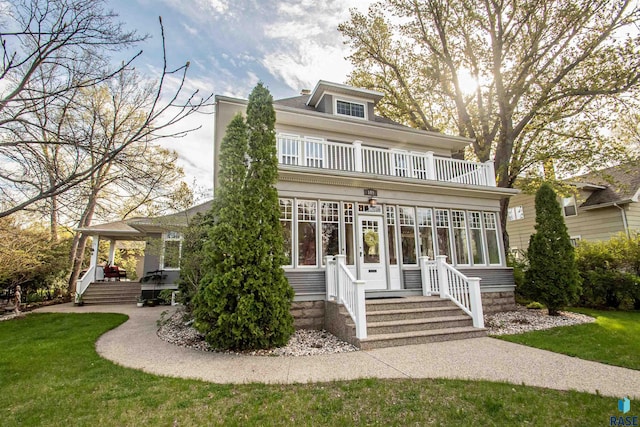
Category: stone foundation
[493,302]
[308,314]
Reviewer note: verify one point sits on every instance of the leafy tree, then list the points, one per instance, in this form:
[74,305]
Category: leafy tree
[30,259]
[525,80]
[552,277]
[245,299]
[53,53]
[192,264]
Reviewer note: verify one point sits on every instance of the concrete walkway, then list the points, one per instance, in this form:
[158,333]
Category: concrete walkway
[136,345]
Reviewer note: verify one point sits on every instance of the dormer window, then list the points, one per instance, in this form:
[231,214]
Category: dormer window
[353,109]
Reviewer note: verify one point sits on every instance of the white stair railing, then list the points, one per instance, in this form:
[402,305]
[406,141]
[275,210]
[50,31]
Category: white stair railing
[346,290]
[83,283]
[443,279]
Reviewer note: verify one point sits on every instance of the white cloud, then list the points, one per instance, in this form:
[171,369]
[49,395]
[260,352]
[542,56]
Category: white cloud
[189,29]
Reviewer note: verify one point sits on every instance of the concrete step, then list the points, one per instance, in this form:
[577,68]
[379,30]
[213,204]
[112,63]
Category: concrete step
[109,300]
[420,337]
[412,313]
[406,303]
[411,325]
[112,292]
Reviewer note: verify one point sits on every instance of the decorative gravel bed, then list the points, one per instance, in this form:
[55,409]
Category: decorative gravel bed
[525,320]
[307,342]
[304,342]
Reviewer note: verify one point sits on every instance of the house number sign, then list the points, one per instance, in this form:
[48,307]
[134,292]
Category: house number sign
[370,192]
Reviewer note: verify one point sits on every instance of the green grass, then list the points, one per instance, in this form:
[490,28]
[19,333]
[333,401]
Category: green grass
[50,374]
[614,338]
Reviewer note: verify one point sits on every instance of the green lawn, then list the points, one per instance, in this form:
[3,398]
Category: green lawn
[614,338]
[50,374]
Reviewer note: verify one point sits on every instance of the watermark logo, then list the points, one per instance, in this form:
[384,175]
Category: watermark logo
[624,406]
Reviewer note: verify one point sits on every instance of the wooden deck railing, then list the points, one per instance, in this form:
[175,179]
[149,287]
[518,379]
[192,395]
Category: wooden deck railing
[322,154]
[346,290]
[443,279]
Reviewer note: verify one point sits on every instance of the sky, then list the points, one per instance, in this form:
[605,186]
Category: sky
[231,45]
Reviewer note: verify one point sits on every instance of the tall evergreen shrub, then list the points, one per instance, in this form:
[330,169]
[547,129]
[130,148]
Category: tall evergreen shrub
[244,299]
[552,277]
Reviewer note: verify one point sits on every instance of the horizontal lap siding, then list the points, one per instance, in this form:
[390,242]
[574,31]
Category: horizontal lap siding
[412,279]
[307,282]
[490,276]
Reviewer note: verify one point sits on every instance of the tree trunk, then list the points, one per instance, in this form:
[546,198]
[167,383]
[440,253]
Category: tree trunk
[80,242]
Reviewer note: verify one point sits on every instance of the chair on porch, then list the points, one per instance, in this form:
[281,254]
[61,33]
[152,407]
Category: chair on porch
[114,272]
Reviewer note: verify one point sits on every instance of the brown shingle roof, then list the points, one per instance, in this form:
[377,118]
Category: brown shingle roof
[301,103]
[622,184]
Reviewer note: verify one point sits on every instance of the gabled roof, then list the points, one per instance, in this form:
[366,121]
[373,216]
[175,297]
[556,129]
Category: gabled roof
[617,184]
[171,221]
[323,86]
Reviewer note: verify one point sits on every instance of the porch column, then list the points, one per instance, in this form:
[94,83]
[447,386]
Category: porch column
[112,251]
[490,173]
[431,166]
[357,155]
[94,255]
[340,260]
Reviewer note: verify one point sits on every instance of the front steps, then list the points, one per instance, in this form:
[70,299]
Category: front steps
[112,293]
[414,320]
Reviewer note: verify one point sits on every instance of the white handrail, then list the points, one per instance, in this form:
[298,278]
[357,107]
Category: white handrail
[83,283]
[350,293]
[441,278]
[296,150]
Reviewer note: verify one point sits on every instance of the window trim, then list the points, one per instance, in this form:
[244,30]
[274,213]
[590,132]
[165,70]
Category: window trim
[575,205]
[165,239]
[515,211]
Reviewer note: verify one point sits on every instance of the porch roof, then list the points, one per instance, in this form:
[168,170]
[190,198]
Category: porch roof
[117,230]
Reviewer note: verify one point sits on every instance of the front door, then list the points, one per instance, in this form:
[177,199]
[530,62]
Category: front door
[372,256]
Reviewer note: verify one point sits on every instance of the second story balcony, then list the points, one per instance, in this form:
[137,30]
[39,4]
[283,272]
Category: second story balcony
[322,154]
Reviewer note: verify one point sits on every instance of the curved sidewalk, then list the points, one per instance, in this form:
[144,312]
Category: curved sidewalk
[136,345]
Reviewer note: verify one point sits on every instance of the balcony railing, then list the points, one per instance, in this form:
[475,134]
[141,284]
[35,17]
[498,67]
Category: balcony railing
[322,154]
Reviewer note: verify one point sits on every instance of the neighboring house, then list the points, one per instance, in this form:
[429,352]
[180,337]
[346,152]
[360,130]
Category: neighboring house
[381,194]
[605,203]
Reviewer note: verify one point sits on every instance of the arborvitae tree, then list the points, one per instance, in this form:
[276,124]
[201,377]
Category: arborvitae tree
[552,277]
[244,300]
[215,306]
[269,294]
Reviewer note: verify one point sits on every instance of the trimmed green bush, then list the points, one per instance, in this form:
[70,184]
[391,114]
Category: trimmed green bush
[552,277]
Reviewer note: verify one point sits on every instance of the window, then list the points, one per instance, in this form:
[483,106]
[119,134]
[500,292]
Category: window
[460,236]
[475,232]
[491,229]
[569,206]
[574,240]
[171,251]
[391,234]
[442,233]
[330,218]
[425,232]
[350,109]
[307,232]
[515,213]
[286,219]
[288,149]
[408,235]
[347,210]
